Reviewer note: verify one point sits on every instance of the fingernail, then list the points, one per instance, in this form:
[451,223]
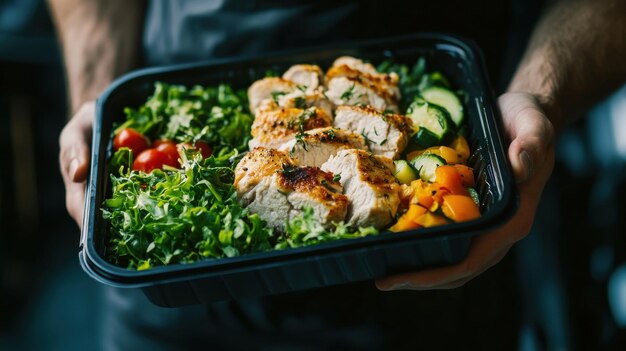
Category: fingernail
[524,158]
[73,168]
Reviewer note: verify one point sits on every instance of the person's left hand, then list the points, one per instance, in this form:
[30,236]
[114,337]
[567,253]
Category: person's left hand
[531,154]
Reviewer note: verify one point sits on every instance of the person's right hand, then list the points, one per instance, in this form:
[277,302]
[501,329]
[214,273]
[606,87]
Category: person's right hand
[74,158]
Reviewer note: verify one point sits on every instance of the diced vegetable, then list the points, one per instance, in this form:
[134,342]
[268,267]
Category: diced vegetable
[467,175]
[460,208]
[426,166]
[462,148]
[474,195]
[447,153]
[405,172]
[431,117]
[408,220]
[430,219]
[449,178]
[424,138]
[448,100]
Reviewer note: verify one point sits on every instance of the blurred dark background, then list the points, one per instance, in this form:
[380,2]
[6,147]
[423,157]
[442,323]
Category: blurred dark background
[570,271]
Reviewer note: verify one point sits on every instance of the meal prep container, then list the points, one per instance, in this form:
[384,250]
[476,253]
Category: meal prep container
[338,262]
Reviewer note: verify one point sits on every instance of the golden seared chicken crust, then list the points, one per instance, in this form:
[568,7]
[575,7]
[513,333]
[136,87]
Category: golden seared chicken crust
[269,184]
[274,128]
[268,88]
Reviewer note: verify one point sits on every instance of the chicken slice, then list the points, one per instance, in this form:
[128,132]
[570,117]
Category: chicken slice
[369,183]
[316,146]
[356,64]
[353,91]
[269,184]
[309,77]
[273,128]
[385,85]
[298,99]
[269,88]
[385,134]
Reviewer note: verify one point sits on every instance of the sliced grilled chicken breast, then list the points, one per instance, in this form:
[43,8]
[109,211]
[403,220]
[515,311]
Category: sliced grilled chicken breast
[316,146]
[350,81]
[369,183]
[385,134]
[385,85]
[268,88]
[356,64]
[269,184]
[273,128]
[298,99]
[310,77]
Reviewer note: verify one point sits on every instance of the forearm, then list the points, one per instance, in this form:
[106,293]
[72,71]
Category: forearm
[100,41]
[575,56]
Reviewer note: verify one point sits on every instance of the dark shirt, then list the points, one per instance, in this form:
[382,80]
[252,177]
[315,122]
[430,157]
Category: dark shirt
[347,317]
[194,30]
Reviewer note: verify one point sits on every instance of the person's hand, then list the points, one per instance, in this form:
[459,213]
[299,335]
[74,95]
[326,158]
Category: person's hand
[531,154]
[74,159]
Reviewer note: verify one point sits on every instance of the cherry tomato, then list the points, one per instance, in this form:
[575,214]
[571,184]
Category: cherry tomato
[152,159]
[168,147]
[204,148]
[131,139]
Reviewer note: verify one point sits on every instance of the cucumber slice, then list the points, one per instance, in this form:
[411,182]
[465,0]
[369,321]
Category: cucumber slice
[431,117]
[425,138]
[404,172]
[426,164]
[474,195]
[448,100]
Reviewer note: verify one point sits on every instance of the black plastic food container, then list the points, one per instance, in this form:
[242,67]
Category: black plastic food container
[327,264]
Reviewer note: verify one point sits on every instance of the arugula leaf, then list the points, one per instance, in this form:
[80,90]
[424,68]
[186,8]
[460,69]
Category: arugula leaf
[305,230]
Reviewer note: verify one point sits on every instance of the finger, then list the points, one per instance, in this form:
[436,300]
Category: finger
[478,260]
[73,141]
[75,201]
[439,285]
[530,132]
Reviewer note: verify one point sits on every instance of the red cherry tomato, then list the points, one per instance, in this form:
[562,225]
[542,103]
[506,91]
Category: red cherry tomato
[131,139]
[204,148]
[159,142]
[169,148]
[152,159]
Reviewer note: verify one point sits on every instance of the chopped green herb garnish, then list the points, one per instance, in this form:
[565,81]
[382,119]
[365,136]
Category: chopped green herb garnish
[276,95]
[347,95]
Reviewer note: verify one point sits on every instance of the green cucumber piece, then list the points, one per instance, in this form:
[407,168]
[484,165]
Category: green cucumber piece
[448,100]
[474,195]
[426,164]
[431,117]
[405,172]
[425,139]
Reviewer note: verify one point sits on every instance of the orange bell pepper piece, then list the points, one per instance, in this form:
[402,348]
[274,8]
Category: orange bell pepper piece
[462,148]
[407,220]
[429,219]
[460,208]
[448,177]
[467,175]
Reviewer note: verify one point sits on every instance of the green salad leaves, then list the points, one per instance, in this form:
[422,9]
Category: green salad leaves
[184,215]
[218,116]
[161,218]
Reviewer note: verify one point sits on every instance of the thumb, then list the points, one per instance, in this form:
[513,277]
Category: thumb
[74,146]
[530,132]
